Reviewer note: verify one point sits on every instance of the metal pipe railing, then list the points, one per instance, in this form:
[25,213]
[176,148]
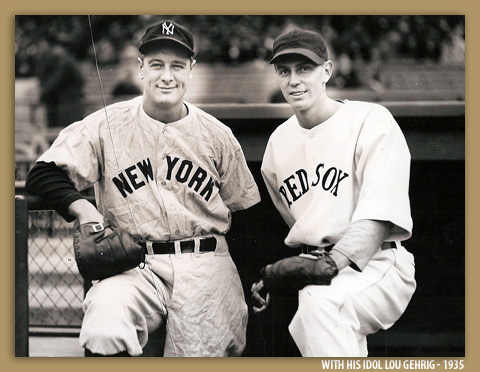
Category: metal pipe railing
[21,276]
[24,204]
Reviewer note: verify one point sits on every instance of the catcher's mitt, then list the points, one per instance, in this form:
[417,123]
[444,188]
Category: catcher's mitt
[291,274]
[102,251]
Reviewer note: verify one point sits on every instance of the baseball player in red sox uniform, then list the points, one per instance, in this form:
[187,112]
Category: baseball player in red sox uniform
[338,173]
[171,175]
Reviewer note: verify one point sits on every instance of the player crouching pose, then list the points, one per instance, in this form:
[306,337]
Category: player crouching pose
[167,177]
[338,173]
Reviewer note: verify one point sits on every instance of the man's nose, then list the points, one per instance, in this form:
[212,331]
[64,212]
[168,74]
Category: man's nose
[294,79]
[166,75]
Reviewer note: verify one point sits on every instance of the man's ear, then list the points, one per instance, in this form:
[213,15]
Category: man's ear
[192,63]
[140,66]
[328,68]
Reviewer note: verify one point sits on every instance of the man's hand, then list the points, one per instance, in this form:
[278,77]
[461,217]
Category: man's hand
[287,276]
[259,294]
[102,251]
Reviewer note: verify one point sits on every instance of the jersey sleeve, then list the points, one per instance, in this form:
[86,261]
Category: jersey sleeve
[237,185]
[383,173]
[76,152]
[52,183]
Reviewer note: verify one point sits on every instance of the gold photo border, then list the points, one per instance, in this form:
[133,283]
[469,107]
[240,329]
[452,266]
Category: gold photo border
[7,143]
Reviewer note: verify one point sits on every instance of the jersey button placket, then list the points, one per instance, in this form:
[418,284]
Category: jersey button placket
[310,152]
[171,211]
[163,187]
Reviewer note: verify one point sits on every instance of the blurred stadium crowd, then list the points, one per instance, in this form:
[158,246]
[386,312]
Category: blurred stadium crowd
[233,39]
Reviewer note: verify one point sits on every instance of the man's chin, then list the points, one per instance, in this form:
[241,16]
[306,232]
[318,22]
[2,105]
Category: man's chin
[168,103]
[299,105]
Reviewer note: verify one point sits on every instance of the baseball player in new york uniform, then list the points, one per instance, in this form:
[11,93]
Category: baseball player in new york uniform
[338,173]
[171,175]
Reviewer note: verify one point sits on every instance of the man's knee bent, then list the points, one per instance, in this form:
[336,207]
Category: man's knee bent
[317,300]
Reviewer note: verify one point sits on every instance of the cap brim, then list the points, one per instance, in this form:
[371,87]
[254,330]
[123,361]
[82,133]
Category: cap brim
[304,52]
[144,47]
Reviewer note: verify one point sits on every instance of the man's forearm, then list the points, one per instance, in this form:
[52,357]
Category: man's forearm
[360,242]
[84,211]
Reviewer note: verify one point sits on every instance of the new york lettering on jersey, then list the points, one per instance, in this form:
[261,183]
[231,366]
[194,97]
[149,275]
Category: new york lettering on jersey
[297,184]
[182,170]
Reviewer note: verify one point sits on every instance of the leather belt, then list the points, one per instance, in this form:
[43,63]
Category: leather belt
[187,246]
[309,248]
[389,245]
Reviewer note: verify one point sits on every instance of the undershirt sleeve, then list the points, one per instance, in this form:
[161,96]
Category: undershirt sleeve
[54,185]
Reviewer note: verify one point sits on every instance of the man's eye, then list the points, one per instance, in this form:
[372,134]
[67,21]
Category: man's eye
[282,72]
[305,69]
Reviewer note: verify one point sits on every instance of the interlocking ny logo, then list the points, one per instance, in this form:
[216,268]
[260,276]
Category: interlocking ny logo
[167,29]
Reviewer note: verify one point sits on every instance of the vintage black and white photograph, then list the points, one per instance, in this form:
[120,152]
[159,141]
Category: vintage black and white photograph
[240,186]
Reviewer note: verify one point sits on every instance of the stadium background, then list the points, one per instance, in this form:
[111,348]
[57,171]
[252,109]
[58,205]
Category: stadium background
[387,59]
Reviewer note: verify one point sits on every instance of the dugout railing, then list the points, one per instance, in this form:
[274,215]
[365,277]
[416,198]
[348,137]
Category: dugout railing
[434,323]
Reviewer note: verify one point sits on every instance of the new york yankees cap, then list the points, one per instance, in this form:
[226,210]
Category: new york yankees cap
[304,42]
[167,31]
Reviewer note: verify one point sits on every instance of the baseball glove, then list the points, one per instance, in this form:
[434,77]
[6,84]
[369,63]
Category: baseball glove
[102,251]
[291,274]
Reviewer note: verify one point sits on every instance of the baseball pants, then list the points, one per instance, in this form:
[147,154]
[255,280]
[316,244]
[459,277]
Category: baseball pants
[333,321]
[207,313]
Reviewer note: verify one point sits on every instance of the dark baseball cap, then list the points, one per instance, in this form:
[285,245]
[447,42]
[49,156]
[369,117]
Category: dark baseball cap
[169,31]
[306,43]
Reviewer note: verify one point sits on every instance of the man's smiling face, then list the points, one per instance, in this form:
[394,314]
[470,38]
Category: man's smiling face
[301,80]
[166,74]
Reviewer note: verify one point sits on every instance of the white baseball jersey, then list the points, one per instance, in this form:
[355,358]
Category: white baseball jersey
[181,179]
[353,166]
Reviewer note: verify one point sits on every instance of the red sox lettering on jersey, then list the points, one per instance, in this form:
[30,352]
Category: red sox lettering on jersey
[297,184]
[184,170]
